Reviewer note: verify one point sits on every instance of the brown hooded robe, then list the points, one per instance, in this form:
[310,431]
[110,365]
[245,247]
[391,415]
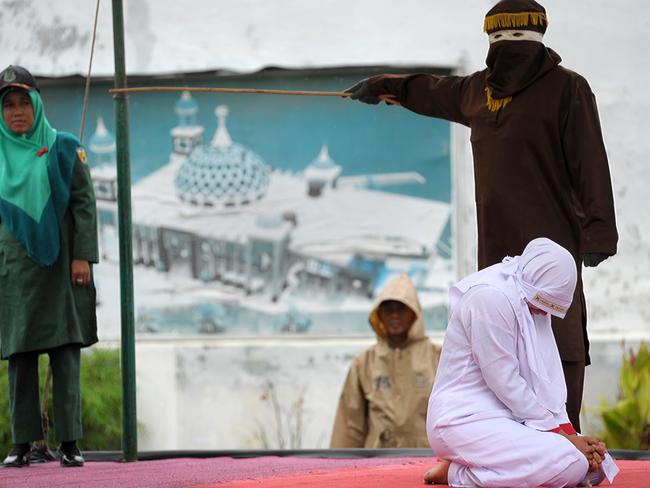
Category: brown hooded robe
[540,170]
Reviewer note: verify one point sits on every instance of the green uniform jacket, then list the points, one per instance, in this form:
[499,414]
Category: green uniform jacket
[39,307]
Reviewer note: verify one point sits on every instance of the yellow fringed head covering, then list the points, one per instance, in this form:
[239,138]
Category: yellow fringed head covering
[516,14]
[508,74]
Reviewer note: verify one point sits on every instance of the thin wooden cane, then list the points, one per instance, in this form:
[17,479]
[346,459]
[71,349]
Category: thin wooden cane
[259,91]
[138,89]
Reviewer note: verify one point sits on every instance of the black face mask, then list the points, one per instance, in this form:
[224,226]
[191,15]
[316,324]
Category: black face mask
[514,65]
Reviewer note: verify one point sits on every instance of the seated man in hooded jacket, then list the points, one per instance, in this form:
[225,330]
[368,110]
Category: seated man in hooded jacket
[385,395]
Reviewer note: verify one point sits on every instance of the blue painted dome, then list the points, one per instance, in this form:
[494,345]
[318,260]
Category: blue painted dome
[223,174]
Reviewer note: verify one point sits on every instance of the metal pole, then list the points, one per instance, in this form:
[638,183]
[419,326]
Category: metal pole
[129,414]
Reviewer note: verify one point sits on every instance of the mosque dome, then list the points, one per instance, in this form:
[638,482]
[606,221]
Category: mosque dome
[224,173]
[323,168]
[322,172]
[102,141]
[323,161]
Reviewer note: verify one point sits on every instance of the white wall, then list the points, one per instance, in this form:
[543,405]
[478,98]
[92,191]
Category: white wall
[208,393]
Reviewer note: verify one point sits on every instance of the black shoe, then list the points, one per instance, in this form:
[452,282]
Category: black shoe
[70,456]
[40,453]
[17,457]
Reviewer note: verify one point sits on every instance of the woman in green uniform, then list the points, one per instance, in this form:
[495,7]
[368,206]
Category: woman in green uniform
[48,240]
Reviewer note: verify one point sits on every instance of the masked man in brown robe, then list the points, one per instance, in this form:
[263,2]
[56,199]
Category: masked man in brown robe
[540,164]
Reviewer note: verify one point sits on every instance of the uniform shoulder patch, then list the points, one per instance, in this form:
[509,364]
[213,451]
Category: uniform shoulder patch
[83,157]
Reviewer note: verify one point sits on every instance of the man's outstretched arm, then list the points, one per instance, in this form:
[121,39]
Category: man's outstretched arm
[431,95]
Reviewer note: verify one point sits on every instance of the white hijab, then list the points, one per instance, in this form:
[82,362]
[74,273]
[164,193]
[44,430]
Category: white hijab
[544,275]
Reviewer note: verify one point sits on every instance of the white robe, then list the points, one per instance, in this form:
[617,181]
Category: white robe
[483,413]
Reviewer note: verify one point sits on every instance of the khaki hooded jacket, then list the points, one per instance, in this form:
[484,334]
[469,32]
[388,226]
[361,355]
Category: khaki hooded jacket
[384,399]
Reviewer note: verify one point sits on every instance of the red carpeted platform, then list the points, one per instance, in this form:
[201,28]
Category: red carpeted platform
[266,471]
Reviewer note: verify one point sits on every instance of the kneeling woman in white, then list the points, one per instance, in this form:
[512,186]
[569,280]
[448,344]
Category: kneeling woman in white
[497,412]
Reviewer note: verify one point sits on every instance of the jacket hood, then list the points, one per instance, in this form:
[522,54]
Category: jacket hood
[399,288]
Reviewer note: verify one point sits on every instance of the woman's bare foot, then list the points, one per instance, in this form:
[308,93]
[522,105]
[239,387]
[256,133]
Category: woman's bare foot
[438,474]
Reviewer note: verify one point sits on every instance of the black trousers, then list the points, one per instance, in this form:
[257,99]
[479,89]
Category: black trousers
[24,395]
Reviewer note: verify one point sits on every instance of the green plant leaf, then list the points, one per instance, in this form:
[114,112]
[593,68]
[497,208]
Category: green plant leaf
[643,395]
[615,434]
[627,423]
[642,358]
[628,380]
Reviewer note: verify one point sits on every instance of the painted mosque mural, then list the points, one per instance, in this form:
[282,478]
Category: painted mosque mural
[243,248]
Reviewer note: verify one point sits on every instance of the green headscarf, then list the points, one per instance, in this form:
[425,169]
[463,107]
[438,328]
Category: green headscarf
[24,180]
[35,176]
